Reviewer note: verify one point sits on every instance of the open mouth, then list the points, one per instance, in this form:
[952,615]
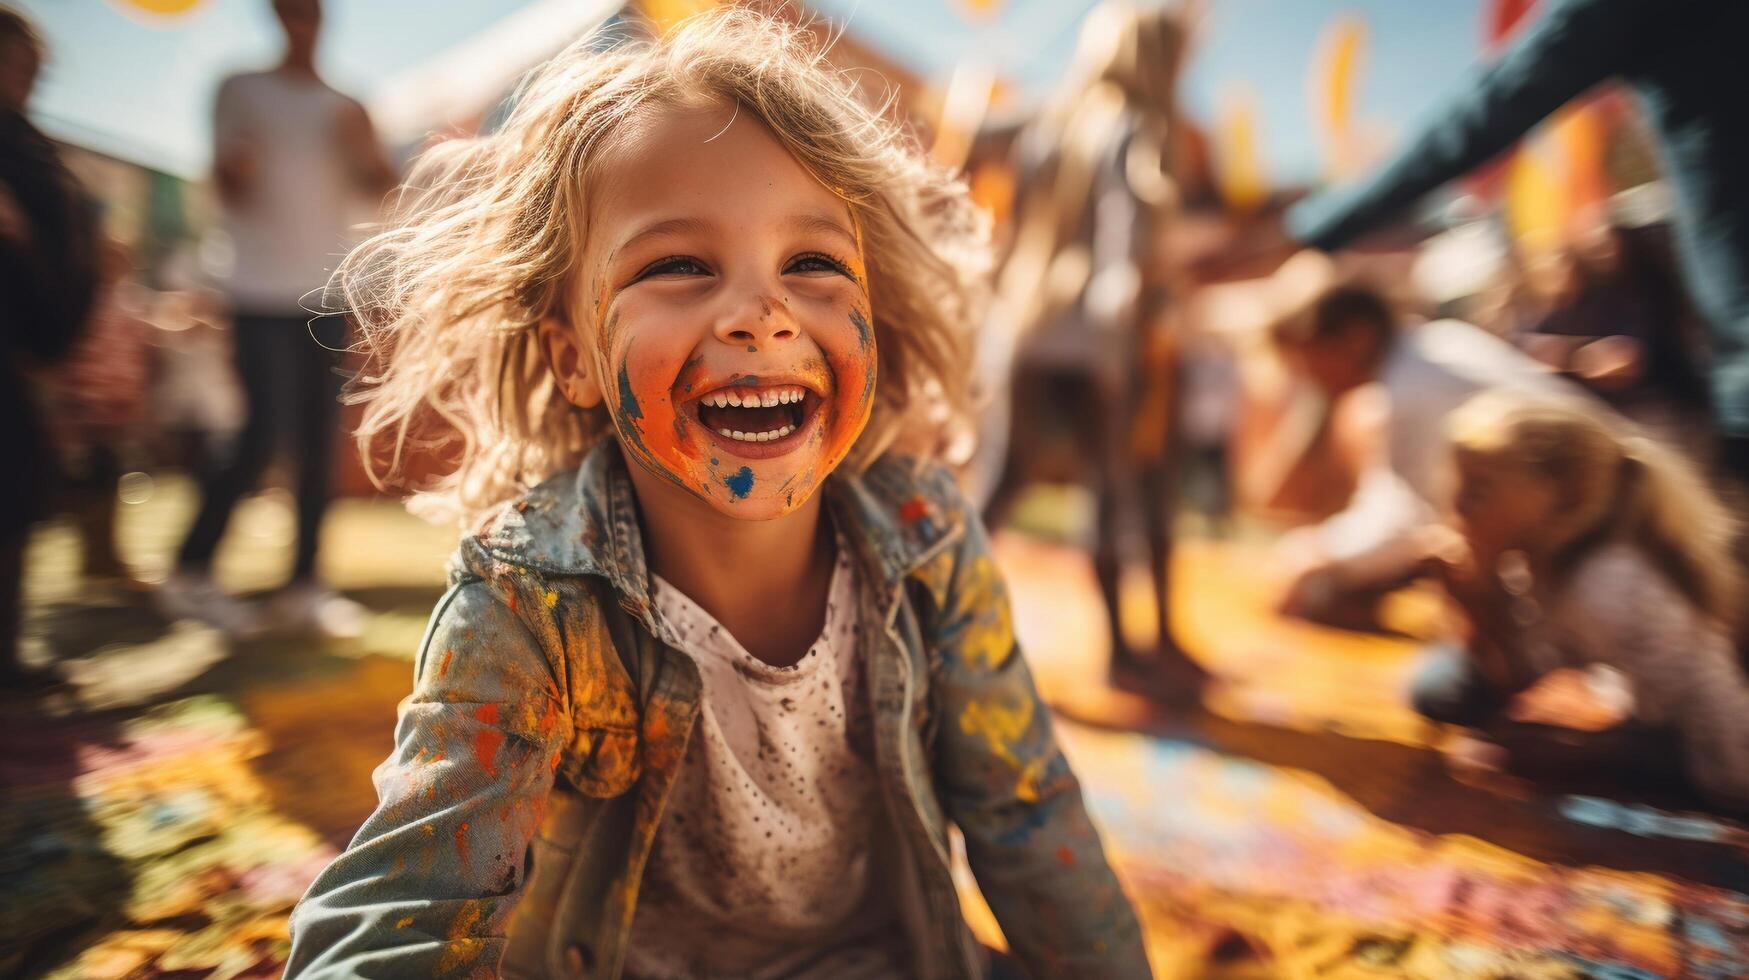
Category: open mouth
[749,416]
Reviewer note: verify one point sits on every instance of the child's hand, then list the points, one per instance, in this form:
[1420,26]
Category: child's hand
[1446,558]
[1442,552]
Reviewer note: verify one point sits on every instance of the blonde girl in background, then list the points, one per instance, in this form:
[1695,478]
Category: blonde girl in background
[1581,544]
[727,654]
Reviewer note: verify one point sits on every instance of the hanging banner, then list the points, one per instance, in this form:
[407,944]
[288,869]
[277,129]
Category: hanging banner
[667,13]
[1500,20]
[1558,176]
[1334,85]
[158,8]
[979,10]
[1238,168]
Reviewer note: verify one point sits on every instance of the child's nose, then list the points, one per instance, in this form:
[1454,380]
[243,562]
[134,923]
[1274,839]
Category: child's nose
[762,319]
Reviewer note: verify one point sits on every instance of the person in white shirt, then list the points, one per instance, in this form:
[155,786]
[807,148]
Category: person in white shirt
[293,162]
[1392,386]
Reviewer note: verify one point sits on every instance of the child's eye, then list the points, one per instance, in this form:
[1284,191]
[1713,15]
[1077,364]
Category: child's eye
[817,262]
[673,265]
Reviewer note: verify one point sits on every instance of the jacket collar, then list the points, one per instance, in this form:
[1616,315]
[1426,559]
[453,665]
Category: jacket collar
[897,514]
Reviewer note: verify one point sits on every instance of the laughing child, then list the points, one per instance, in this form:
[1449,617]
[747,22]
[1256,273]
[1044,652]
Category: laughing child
[707,700]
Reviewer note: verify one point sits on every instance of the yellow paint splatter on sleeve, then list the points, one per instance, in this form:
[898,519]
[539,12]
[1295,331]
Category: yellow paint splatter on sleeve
[987,637]
[1000,726]
[462,948]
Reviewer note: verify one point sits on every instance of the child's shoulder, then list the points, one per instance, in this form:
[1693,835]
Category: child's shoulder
[912,513]
[899,479]
[563,526]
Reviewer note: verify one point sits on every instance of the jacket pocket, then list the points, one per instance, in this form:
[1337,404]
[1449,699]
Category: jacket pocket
[604,761]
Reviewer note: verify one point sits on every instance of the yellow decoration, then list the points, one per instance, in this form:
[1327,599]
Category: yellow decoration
[1534,196]
[162,8]
[1334,82]
[1237,168]
[1556,175]
[667,13]
[980,9]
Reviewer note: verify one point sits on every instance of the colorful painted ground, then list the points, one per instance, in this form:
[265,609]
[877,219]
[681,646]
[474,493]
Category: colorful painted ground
[163,812]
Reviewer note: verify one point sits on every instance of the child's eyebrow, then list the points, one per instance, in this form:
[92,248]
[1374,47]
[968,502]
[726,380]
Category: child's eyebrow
[667,226]
[814,221]
[809,221]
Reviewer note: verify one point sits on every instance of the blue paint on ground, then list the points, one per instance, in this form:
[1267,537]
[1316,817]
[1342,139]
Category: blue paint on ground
[1640,820]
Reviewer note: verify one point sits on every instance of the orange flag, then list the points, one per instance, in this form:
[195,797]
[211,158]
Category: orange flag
[1336,69]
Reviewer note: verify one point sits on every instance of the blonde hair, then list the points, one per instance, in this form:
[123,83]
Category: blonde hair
[493,228]
[1615,484]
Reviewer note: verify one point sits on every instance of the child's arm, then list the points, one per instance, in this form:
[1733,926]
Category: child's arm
[1005,783]
[428,883]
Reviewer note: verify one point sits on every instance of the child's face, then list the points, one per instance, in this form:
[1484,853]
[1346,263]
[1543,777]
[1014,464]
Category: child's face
[1500,505]
[725,320]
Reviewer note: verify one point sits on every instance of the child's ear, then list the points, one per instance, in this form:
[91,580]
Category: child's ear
[569,362]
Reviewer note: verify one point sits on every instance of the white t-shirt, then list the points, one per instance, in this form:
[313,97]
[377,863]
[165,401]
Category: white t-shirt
[762,867]
[291,228]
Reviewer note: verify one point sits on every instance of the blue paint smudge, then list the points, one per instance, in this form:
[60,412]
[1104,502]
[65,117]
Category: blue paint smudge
[741,484]
[628,402]
[714,461]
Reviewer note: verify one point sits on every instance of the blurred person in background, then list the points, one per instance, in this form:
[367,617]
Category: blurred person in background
[1685,64]
[96,401]
[1390,387]
[1574,543]
[292,158]
[1617,321]
[1079,314]
[48,276]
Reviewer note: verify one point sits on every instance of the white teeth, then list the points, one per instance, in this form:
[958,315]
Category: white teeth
[755,399]
[772,436]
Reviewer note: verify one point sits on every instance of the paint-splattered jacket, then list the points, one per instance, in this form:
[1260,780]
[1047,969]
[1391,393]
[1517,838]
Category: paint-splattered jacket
[551,711]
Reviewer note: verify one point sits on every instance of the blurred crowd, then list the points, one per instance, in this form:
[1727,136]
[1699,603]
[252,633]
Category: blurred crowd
[1546,428]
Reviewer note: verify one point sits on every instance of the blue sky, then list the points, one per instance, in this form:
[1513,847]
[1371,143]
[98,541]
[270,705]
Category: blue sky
[140,86]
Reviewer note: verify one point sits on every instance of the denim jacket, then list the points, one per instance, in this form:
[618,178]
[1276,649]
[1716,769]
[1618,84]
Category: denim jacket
[551,710]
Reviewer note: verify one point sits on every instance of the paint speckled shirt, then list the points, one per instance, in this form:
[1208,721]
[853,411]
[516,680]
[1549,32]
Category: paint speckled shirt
[762,866]
[552,708]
